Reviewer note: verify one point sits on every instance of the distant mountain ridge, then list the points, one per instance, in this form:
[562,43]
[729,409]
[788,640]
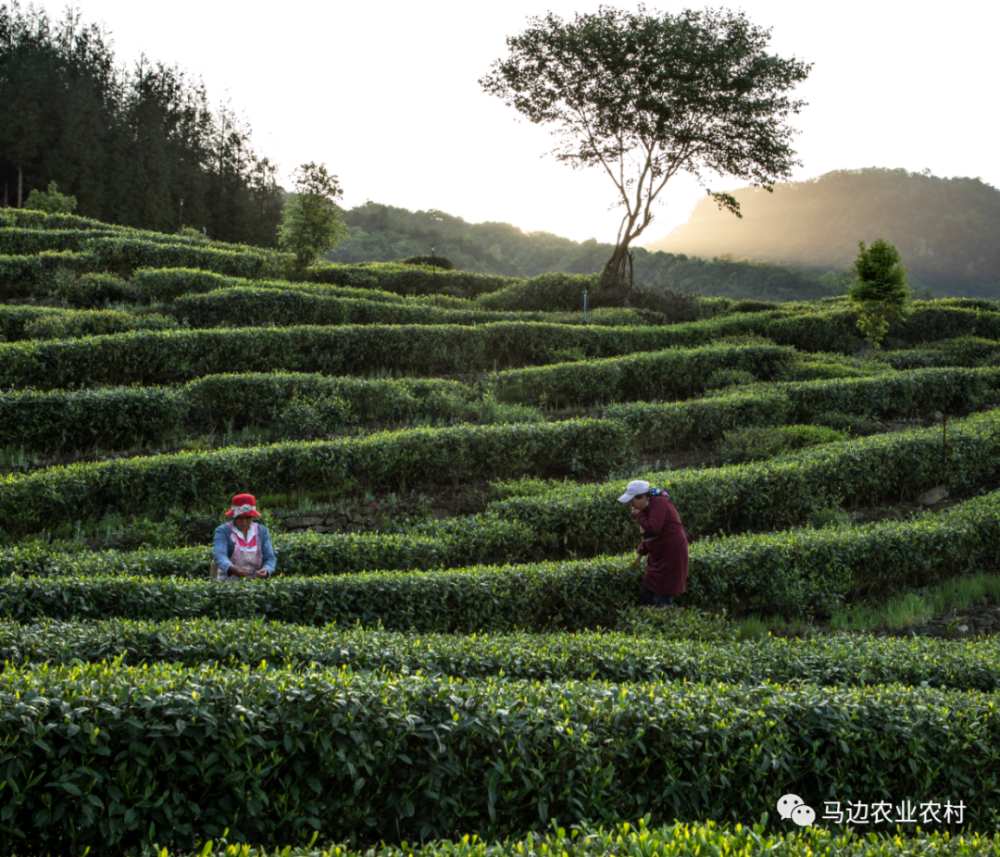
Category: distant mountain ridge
[382,233]
[947,230]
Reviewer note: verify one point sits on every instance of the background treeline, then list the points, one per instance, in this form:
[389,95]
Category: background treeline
[945,229]
[128,144]
[381,233]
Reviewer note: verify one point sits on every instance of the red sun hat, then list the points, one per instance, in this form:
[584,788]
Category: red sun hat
[244,506]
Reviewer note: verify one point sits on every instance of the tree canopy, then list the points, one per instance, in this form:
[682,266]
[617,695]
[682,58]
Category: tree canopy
[644,97]
[879,289]
[311,222]
[129,144]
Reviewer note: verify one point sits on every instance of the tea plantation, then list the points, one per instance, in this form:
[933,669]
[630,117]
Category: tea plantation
[451,658]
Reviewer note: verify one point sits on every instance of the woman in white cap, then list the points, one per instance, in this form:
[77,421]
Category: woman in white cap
[663,541]
[242,548]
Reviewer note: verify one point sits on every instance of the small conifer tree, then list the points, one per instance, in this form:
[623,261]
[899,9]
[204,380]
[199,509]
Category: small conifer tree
[879,290]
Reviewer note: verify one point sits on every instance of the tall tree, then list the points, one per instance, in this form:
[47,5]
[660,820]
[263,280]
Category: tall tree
[645,97]
[129,143]
[29,71]
[312,221]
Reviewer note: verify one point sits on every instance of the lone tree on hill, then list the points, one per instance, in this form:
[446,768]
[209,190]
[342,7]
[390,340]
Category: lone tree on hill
[648,96]
[312,223]
[879,290]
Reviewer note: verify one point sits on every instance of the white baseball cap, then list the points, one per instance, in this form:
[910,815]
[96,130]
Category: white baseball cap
[633,488]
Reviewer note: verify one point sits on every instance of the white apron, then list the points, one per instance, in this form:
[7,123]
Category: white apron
[246,554]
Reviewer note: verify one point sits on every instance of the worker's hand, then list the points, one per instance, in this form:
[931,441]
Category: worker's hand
[635,512]
[239,570]
[637,561]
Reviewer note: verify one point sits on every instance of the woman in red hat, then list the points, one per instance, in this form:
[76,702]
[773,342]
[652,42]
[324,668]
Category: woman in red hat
[242,549]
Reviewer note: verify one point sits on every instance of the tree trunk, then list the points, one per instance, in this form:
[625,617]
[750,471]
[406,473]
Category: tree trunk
[20,177]
[6,186]
[617,272]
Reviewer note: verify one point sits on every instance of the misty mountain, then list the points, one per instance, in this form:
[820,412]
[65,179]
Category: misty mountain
[946,230]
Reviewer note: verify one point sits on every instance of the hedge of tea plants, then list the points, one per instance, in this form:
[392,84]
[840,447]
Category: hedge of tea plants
[190,752]
[631,839]
[795,571]
[841,660]
[482,674]
[292,404]
[770,494]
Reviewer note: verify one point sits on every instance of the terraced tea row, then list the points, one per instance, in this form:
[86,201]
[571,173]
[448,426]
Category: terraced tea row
[123,417]
[322,578]
[891,396]
[389,757]
[383,461]
[625,839]
[297,406]
[760,495]
[769,494]
[174,356]
[841,660]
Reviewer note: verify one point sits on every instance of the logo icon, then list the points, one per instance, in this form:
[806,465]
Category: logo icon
[793,807]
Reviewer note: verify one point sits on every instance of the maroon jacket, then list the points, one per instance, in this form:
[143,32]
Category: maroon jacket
[665,542]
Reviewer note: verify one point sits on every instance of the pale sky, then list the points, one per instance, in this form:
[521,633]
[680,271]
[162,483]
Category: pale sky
[387,95]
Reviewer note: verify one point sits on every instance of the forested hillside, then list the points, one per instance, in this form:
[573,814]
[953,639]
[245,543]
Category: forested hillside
[945,229]
[382,233]
[137,147]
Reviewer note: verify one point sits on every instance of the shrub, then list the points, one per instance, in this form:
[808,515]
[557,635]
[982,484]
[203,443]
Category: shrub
[855,425]
[407,279]
[169,357]
[722,378]
[60,421]
[92,291]
[756,444]
[546,293]
[28,242]
[383,461]
[68,325]
[624,317]
[166,284]
[685,644]
[245,306]
[82,419]
[780,492]
[23,276]
[434,261]
[301,420]
[575,750]
[50,201]
[821,370]
[123,255]
[698,422]
[668,374]
[754,306]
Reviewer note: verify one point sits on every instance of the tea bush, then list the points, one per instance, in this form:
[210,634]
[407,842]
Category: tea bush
[82,323]
[758,443]
[382,461]
[571,751]
[669,374]
[839,660]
